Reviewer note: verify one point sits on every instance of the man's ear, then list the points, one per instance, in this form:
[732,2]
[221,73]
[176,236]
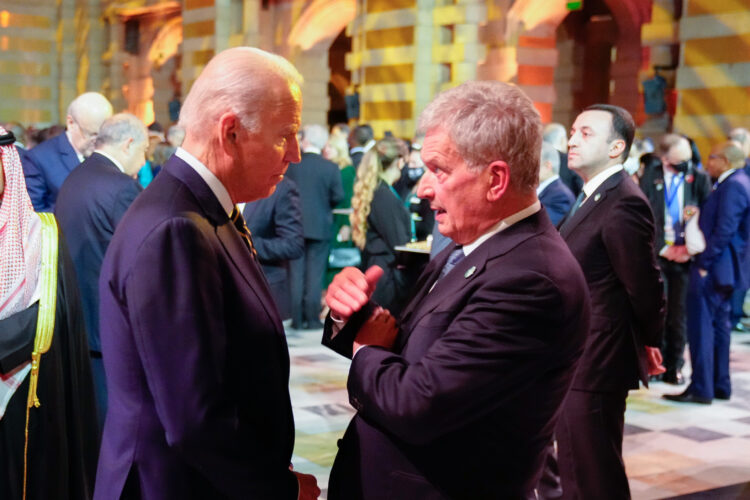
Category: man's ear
[499,174]
[616,148]
[228,131]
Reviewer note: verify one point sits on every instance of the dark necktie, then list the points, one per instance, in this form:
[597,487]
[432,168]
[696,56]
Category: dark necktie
[577,204]
[247,237]
[456,256]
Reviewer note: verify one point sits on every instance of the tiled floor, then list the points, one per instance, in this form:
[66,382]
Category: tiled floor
[670,448]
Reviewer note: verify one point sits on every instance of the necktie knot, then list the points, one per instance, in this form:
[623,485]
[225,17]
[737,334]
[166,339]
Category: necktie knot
[247,237]
[456,256]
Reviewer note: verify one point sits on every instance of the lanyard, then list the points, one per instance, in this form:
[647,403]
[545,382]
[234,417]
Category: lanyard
[669,194]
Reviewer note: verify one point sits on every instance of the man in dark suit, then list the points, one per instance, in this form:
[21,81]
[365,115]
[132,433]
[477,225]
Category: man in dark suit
[320,189]
[459,400]
[48,164]
[361,140]
[672,189]
[555,196]
[195,354]
[741,136]
[557,135]
[610,230]
[719,270]
[276,224]
[91,202]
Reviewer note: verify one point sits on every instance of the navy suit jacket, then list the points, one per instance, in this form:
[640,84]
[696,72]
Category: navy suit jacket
[91,202]
[276,225]
[612,236]
[195,354]
[725,222]
[557,200]
[467,401]
[46,167]
[320,190]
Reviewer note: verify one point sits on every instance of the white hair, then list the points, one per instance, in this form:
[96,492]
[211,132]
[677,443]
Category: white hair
[316,135]
[119,128]
[175,135]
[242,80]
[551,155]
[87,103]
[555,134]
[490,121]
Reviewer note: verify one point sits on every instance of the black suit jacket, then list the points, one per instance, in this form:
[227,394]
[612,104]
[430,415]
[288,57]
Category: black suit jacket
[697,187]
[91,202]
[557,200]
[468,399]
[320,189]
[612,236]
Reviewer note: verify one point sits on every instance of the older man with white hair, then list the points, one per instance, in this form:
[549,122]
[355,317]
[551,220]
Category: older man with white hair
[555,196]
[320,189]
[194,350]
[556,135]
[47,165]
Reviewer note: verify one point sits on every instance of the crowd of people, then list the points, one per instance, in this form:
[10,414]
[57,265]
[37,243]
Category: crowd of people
[142,336]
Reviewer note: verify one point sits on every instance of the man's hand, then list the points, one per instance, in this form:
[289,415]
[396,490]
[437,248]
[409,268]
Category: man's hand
[308,486]
[380,330]
[350,290]
[653,356]
[677,253]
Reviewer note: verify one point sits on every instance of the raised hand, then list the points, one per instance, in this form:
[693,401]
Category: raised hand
[351,289]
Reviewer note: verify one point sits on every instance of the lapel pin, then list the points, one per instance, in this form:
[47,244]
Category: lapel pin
[597,197]
[470,271]
[659,187]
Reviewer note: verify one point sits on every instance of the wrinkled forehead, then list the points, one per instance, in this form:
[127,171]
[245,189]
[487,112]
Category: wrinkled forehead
[680,152]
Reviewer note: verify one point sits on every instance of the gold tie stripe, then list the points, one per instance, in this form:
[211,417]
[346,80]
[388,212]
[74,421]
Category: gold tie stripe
[247,237]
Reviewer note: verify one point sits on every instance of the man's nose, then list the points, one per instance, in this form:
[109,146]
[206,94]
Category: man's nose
[292,151]
[425,188]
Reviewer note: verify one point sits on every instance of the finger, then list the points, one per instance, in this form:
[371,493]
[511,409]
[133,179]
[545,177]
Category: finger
[372,275]
[354,275]
[345,298]
[339,308]
[351,289]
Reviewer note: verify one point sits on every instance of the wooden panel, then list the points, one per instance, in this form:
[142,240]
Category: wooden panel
[201,57]
[726,100]
[201,28]
[197,4]
[700,7]
[728,49]
[536,75]
[392,37]
[395,73]
[386,5]
[388,110]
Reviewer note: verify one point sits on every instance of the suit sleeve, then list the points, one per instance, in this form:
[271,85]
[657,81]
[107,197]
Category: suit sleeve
[629,241]
[36,184]
[123,200]
[178,330]
[703,188]
[288,241]
[495,349]
[336,188]
[733,204]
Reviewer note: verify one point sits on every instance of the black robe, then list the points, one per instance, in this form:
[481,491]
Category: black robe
[63,434]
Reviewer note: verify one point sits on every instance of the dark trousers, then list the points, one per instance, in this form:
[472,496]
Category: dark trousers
[306,282]
[738,303]
[100,388]
[675,277]
[709,334]
[589,445]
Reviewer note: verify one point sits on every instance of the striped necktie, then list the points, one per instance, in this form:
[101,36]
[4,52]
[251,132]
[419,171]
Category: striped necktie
[247,237]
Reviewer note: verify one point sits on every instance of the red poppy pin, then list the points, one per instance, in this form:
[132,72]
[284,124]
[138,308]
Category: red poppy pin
[689,178]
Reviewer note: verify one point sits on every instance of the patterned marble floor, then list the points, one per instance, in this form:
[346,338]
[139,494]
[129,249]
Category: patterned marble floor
[670,449]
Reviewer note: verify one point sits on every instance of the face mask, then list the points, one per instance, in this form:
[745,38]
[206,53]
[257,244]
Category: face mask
[682,166]
[414,174]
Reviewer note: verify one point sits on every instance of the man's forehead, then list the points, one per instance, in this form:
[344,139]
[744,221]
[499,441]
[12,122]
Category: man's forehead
[437,140]
[595,119]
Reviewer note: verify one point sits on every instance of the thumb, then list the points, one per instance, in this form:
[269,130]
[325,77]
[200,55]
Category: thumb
[372,275]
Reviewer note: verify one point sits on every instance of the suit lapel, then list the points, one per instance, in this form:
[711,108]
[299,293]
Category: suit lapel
[227,234]
[67,153]
[591,203]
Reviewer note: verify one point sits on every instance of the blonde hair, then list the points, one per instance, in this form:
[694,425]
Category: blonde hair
[372,166]
[337,150]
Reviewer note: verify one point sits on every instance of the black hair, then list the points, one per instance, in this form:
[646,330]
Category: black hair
[623,125]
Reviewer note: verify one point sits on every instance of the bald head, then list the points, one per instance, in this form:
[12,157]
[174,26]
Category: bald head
[85,116]
[675,152]
[556,135]
[242,80]
[742,137]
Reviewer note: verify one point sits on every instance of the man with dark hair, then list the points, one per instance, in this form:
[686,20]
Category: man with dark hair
[361,139]
[610,231]
[672,189]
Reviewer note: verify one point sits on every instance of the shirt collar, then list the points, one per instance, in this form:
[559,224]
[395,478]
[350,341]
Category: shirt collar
[543,185]
[369,145]
[79,155]
[210,178]
[112,159]
[596,181]
[503,225]
[726,174]
[312,149]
